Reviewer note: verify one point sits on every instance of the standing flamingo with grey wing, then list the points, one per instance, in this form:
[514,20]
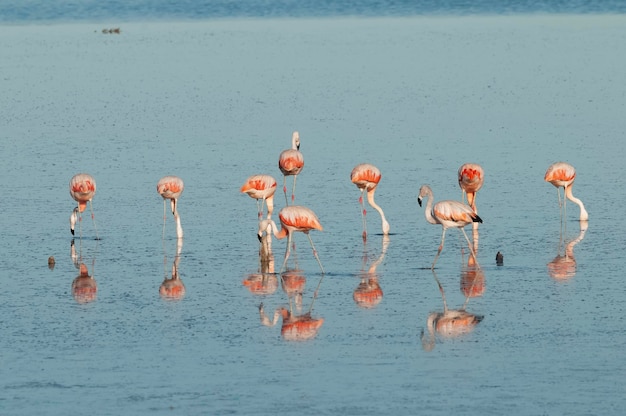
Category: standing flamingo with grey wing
[450,214]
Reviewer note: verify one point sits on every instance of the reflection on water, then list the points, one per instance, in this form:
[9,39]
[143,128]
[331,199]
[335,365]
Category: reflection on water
[563,266]
[450,323]
[472,275]
[368,293]
[172,288]
[84,286]
[296,326]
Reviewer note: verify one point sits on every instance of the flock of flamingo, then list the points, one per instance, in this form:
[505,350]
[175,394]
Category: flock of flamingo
[298,218]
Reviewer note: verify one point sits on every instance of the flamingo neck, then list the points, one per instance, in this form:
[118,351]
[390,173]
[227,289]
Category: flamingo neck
[428,211]
[584,216]
[270,206]
[370,200]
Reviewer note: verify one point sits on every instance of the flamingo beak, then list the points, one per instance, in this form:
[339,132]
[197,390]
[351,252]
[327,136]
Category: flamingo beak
[419,201]
[259,237]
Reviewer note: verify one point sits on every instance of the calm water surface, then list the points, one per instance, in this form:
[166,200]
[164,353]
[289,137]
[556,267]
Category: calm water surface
[214,102]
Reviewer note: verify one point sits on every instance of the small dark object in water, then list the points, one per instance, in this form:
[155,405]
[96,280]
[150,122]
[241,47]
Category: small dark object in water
[51,262]
[112,31]
[499,259]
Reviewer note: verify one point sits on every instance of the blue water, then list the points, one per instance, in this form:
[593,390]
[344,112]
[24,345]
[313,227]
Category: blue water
[32,11]
[215,101]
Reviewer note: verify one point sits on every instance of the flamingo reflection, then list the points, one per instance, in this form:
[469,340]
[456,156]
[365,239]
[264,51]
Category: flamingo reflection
[295,327]
[563,266]
[173,288]
[264,282]
[84,286]
[368,293]
[472,275]
[450,323]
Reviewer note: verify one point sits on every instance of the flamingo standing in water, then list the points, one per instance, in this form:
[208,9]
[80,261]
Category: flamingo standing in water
[82,189]
[171,187]
[261,187]
[471,176]
[292,218]
[450,214]
[290,163]
[562,174]
[366,178]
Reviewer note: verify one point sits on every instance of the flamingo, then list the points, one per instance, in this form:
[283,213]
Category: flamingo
[261,187]
[292,218]
[450,323]
[290,163]
[471,176]
[562,174]
[82,189]
[450,214]
[366,178]
[171,187]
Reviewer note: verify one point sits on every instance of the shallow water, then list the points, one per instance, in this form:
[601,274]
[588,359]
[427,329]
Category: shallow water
[215,102]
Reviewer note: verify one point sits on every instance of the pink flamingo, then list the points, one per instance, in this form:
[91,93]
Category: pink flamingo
[82,189]
[171,187]
[450,214]
[366,178]
[290,163]
[471,177]
[293,218]
[562,174]
[261,187]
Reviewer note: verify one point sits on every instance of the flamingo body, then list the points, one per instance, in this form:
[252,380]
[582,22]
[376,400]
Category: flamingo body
[471,177]
[366,177]
[82,190]
[290,163]
[562,175]
[293,218]
[450,214]
[261,187]
[171,187]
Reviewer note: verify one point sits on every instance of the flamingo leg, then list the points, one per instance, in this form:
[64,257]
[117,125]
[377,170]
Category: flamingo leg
[282,269]
[363,214]
[469,245]
[293,189]
[93,218]
[443,237]
[285,189]
[259,208]
[315,253]
[164,217]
